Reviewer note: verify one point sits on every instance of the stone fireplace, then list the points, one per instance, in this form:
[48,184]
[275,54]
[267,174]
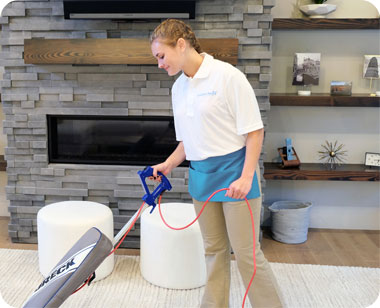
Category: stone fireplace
[31,94]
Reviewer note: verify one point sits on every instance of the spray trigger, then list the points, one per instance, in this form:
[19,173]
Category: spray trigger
[150,198]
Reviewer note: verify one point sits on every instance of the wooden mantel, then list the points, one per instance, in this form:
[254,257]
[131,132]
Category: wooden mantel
[113,51]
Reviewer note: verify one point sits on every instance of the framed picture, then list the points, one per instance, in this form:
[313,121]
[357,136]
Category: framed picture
[341,88]
[371,68]
[306,69]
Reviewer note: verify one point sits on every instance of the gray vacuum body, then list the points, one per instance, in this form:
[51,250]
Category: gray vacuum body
[72,270]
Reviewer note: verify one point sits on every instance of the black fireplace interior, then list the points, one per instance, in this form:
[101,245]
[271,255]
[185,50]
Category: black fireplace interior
[110,140]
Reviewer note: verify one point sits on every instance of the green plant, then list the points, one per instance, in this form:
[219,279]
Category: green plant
[319,1]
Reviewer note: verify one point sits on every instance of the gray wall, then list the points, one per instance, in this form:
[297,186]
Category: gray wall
[30,92]
[337,204]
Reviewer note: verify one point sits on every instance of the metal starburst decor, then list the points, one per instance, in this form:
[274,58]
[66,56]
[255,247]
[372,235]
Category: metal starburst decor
[332,155]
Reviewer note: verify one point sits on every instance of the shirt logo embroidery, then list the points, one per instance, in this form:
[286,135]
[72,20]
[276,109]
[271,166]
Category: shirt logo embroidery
[211,93]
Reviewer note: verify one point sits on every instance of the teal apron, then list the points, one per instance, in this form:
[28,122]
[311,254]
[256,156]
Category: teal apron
[213,173]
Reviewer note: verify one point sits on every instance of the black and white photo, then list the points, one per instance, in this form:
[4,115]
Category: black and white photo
[306,69]
[371,68]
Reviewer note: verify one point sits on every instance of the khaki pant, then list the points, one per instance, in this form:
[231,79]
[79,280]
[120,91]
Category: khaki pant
[223,223]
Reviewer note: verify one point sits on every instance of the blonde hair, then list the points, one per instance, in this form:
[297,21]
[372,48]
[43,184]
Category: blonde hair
[170,30]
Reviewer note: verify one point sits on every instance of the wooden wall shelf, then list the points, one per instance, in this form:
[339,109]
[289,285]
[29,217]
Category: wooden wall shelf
[321,99]
[325,23]
[113,51]
[318,172]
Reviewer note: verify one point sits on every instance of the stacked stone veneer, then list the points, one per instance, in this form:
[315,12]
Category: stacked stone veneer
[30,92]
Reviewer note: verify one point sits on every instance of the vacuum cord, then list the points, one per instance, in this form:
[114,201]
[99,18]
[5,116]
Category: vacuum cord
[200,212]
[113,250]
[182,228]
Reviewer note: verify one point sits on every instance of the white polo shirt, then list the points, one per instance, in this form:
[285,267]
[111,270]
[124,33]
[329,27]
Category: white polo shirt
[214,110]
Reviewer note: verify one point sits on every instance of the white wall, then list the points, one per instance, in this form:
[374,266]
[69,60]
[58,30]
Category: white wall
[4,203]
[357,128]
[342,205]
[3,138]
[3,142]
[342,57]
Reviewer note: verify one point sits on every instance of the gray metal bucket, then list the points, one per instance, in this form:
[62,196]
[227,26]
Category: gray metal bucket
[290,221]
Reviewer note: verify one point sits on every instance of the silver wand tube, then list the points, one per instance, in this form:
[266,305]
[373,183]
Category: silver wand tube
[128,224]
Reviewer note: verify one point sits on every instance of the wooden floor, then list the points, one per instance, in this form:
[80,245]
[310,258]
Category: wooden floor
[324,246]
[327,247]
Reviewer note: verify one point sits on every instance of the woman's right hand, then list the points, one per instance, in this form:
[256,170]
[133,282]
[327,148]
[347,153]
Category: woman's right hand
[174,160]
[164,168]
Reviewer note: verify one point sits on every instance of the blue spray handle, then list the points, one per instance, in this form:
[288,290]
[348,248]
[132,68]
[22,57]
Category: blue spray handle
[150,198]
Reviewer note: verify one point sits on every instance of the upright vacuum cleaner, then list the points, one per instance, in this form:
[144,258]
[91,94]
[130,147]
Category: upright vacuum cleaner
[78,265]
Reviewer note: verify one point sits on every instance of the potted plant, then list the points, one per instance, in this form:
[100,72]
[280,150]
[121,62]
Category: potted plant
[318,10]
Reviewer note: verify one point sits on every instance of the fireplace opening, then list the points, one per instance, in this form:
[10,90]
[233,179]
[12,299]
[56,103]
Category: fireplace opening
[110,140]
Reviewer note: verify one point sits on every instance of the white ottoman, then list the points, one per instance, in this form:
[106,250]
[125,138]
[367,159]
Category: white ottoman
[169,258]
[61,224]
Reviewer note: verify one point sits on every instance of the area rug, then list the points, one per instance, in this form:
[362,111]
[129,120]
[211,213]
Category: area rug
[302,286]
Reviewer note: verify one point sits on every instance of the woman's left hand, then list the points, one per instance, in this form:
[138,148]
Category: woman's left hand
[240,188]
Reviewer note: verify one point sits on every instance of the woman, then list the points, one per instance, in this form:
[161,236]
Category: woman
[219,129]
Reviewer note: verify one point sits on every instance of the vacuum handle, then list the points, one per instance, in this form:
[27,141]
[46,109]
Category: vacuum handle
[150,198]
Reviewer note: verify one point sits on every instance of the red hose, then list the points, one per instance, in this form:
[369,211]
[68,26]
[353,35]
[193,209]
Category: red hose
[126,233]
[182,228]
[253,232]
[116,247]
